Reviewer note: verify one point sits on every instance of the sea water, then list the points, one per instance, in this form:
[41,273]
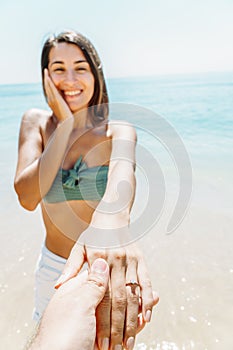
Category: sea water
[198,107]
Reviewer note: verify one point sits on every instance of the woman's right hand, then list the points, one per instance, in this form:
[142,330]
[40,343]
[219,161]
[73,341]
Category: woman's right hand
[55,101]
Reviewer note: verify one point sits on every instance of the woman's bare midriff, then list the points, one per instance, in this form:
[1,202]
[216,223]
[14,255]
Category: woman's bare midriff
[64,223]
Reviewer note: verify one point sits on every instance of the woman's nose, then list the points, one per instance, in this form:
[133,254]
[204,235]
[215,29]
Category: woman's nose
[70,76]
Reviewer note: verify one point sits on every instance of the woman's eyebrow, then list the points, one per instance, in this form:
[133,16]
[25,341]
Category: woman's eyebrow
[80,61]
[61,62]
[57,62]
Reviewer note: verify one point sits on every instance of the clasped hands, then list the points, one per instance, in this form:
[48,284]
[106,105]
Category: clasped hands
[125,308]
[70,321]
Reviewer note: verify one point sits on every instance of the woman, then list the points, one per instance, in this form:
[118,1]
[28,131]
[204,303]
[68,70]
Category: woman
[66,163]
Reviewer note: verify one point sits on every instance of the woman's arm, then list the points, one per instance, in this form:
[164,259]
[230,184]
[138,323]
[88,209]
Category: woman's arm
[120,190]
[37,166]
[108,236]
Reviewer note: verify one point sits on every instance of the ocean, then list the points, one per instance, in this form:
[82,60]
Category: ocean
[193,267]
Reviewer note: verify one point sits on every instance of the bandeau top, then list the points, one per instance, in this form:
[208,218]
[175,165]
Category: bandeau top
[78,183]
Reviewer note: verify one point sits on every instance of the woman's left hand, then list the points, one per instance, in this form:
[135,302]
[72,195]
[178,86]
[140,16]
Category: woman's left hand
[117,315]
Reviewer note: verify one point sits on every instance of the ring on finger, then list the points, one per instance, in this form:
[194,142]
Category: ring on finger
[133,284]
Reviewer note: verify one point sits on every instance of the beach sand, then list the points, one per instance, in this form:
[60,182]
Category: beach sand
[192,270]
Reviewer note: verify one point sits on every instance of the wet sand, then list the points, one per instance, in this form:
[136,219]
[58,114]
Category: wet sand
[192,269]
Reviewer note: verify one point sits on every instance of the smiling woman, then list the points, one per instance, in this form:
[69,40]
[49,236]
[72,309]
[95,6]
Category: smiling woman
[72,76]
[86,62]
[69,158]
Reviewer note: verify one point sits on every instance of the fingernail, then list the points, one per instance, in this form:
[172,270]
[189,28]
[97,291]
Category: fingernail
[148,316]
[130,343]
[118,347]
[99,266]
[104,344]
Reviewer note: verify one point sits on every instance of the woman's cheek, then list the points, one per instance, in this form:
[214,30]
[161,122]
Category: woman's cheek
[54,80]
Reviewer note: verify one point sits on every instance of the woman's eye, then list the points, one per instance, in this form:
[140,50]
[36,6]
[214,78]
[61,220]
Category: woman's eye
[81,69]
[58,70]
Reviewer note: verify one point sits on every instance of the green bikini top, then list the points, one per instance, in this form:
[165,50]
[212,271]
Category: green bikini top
[78,183]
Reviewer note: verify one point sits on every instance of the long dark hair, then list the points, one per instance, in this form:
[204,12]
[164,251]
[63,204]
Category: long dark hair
[99,100]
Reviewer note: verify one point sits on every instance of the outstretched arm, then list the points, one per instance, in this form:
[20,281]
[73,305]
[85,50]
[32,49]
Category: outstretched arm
[108,236]
[121,184]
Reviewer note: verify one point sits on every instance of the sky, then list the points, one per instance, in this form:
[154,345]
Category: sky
[132,37]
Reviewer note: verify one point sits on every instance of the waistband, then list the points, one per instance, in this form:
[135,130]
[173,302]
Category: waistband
[51,257]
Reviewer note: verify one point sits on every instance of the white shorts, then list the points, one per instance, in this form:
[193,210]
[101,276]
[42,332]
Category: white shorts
[49,268]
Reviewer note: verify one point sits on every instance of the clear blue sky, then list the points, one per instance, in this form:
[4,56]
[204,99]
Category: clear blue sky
[133,37]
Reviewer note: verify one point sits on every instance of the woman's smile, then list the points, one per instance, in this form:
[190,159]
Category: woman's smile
[71,96]
[72,93]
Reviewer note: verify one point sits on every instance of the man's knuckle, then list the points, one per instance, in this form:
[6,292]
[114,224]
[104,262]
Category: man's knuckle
[132,299]
[119,294]
[119,303]
[93,281]
[120,255]
[131,258]
[98,254]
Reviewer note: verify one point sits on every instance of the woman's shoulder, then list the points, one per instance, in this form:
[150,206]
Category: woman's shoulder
[35,119]
[121,129]
[36,115]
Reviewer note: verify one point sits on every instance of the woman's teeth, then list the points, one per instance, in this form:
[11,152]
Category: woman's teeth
[72,93]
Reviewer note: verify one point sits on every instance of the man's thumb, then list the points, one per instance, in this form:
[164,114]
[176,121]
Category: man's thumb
[98,280]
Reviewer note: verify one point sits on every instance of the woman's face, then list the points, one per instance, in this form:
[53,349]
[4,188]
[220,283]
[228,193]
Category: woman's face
[71,74]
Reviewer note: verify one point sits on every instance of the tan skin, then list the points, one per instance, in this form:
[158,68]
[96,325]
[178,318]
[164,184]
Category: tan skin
[54,333]
[56,241]
[49,141]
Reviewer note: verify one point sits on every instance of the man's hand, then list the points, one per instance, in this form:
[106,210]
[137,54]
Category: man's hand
[69,322]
